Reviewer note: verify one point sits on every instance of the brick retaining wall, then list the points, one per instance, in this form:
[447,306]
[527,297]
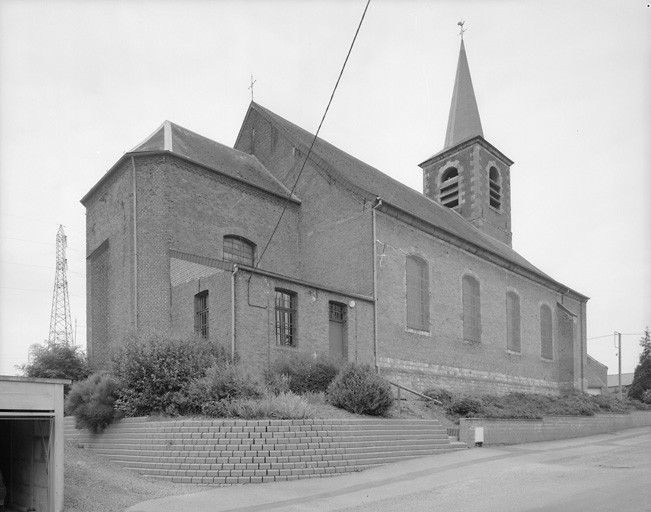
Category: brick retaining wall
[549,428]
[253,451]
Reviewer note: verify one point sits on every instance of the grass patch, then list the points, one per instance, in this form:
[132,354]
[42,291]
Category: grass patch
[530,405]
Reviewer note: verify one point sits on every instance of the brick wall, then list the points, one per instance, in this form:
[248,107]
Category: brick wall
[549,428]
[334,223]
[443,350]
[473,163]
[109,220]
[597,375]
[255,321]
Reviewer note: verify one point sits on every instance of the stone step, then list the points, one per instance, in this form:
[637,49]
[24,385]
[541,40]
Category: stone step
[289,456]
[204,450]
[210,450]
[264,431]
[257,444]
[315,461]
[239,425]
[238,451]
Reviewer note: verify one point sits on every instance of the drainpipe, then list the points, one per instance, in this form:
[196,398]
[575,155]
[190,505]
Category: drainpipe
[235,269]
[375,340]
[135,249]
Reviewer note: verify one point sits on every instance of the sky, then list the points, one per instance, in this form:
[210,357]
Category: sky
[563,89]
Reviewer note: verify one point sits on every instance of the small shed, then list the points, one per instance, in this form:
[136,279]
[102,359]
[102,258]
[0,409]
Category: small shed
[31,444]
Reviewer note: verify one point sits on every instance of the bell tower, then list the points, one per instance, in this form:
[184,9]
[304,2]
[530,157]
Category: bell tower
[470,175]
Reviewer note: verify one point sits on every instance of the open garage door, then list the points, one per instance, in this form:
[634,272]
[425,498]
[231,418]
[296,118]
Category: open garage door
[31,444]
[26,448]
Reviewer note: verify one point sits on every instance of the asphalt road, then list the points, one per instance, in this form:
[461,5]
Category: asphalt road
[597,473]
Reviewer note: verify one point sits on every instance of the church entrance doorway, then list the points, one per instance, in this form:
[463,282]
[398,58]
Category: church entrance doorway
[337,330]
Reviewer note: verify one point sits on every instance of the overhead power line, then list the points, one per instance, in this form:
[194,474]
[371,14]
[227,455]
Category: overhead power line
[316,135]
[614,333]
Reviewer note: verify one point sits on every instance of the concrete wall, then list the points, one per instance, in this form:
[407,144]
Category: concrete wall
[549,428]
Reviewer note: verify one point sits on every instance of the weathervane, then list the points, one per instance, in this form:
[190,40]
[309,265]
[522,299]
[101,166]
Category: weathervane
[251,86]
[462,29]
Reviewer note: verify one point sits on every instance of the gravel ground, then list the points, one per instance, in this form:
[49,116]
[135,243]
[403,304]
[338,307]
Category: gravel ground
[95,484]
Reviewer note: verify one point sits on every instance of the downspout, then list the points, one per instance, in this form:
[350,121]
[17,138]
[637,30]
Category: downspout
[235,269]
[135,248]
[584,348]
[375,340]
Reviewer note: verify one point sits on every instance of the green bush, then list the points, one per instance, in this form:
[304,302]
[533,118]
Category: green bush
[646,396]
[154,373]
[358,389]
[641,379]
[57,361]
[91,402]
[222,383]
[304,373]
[281,406]
[440,394]
[465,406]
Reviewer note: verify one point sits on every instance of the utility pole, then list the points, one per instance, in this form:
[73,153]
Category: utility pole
[60,324]
[619,355]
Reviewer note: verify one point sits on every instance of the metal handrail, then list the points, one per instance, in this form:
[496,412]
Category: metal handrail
[421,395]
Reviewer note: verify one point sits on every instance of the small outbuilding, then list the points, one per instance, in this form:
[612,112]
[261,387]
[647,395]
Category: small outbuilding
[31,444]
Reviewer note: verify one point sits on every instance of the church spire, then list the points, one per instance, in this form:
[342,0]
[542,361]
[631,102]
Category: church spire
[464,121]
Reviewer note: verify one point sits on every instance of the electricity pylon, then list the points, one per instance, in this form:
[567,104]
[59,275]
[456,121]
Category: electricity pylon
[60,324]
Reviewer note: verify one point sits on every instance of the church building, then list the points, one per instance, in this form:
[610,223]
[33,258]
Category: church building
[271,248]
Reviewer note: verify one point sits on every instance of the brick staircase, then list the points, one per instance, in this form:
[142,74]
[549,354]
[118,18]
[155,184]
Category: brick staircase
[240,451]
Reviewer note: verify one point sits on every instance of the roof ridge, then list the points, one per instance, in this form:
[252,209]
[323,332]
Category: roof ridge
[319,161]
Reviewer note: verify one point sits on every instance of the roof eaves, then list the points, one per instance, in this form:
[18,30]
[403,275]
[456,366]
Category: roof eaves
[293,198]
[464,144]
[475,249]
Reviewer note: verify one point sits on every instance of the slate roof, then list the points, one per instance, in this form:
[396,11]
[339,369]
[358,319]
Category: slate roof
[172,138]
[372,183]
[463,122]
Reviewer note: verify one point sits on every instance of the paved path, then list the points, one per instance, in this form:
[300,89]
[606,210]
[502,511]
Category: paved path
[596,473]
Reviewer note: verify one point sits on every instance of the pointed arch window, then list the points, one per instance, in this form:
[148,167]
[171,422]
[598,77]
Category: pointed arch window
[546,340]
[238,250]
[494,188]
[417,294]
[449,195]
[471,309]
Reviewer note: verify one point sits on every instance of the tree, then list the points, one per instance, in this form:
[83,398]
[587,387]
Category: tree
[642,376]
[57,361]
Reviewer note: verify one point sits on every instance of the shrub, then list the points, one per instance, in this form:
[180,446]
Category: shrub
[91,402]
[153,373]
[646,396]
[440,394]
[223,382]
[465,406]
[358,389]
[57,361]
[281,406]
[305,373]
